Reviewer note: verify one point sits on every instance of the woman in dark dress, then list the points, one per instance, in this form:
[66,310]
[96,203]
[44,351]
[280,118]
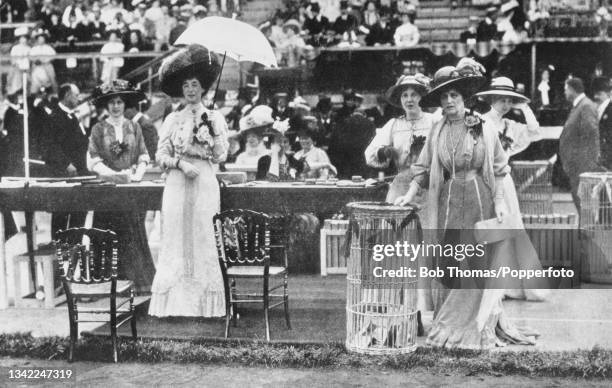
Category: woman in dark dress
[117,152]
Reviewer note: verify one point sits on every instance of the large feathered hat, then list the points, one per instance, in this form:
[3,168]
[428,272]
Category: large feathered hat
[193,61]
[466,77]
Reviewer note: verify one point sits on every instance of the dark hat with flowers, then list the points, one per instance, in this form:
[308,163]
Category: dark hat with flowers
[193,61]
[467,78]
[117,88]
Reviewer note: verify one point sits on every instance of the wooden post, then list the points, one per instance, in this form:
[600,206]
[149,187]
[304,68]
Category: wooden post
[150,75]
[533,69]
[3,274]
[94,69]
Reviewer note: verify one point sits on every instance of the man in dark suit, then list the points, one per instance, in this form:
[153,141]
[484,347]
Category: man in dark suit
[316,25]
[65,150]
[579,141]
[381,33]
[601,95]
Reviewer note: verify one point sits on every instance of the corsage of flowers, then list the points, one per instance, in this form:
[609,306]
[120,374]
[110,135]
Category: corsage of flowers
[200,137]
[118,148]
[506,141]
[417,143]
[473,122]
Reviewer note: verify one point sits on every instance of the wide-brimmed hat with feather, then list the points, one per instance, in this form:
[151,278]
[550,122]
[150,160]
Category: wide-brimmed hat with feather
[193,61]
[117,88]
[467,78]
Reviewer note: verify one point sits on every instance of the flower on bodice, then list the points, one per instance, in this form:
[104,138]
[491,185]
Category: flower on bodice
[473,122]
[506,141]
[417,144]
[117,148]
[203,133]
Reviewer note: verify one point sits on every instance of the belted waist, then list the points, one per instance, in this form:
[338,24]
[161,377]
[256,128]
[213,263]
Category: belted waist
[464,175]
[198,157]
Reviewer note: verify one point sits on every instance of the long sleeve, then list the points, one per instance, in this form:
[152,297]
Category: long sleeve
[382,139]
[500,167]
[165,155]
[523,134]
[94,157]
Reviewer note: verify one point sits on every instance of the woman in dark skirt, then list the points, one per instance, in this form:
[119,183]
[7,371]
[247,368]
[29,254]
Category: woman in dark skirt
[117,151]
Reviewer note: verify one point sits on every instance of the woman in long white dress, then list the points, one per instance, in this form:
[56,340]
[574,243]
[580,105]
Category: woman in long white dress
[21,49]
[43,72]
[188,280]
[515,137]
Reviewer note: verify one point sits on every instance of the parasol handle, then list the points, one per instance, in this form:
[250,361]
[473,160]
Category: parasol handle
[218,80]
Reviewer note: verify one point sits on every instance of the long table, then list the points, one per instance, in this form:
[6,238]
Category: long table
[264,197]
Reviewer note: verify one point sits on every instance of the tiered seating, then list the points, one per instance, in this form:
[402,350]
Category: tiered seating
[440,23]
[257,11]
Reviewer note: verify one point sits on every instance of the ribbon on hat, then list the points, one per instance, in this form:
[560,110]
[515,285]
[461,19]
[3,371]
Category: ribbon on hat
[602,188]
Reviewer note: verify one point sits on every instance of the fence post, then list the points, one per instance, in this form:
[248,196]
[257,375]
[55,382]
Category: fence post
[94,68]
[150,83]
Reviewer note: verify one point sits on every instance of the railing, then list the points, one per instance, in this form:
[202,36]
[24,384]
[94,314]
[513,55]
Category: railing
[85,74]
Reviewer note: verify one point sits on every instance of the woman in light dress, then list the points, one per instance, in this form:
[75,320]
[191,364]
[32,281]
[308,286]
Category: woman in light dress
[465,164]
[515,137]
[111,66]
[43,73]
[15,79]
[188,280]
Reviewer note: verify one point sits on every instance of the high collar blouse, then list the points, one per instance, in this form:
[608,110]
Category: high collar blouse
[185,134]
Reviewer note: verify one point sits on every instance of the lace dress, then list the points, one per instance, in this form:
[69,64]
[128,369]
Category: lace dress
[188,280]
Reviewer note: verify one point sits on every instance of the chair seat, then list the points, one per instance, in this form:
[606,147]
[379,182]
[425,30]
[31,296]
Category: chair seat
[100,288]
[254,270]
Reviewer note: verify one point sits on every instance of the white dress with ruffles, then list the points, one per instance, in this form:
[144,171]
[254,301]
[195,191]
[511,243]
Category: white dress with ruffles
[188,281]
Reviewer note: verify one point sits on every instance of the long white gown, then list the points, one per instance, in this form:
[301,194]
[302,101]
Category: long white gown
[523,251]
[188,281]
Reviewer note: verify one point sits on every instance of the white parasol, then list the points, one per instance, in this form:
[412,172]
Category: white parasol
[233,38]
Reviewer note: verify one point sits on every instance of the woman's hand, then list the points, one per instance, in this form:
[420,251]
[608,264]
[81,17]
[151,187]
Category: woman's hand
[408,198]
[189,169]
[501,210]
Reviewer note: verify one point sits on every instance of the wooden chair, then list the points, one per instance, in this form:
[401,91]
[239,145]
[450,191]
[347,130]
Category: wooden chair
[90,272]
[244,247]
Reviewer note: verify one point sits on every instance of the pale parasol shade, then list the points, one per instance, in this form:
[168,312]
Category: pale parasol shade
[233,38]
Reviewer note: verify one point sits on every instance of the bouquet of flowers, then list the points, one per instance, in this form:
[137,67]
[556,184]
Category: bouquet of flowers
[203,137]
[417,144]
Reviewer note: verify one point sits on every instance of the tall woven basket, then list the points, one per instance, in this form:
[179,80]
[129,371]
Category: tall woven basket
[533,181]
[381,311]
[595,193]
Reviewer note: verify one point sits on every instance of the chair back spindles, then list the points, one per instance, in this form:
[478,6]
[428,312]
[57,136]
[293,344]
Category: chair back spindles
[79,263]
[242,237]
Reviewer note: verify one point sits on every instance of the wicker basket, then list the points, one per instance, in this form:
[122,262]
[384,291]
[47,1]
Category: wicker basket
[595,193]
[533,181]
[381,312]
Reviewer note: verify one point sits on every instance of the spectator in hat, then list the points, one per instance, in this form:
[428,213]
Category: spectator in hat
[470,36]
[315,25]
[487,28]
[280,107]
[181,23]
[381,33]
[407,34]
[43,73]
[13,11]
[351,101]
[324,115]
[509,25]
[601,95]
[109,12]
[154,12]
[252,126]
[73,9]
[20,49]
[111,66]
[349,140]
[139,21]
[293,45]
[44,13]
[319,165]
[370,14]
[345,23]
[579,147]
[199,13]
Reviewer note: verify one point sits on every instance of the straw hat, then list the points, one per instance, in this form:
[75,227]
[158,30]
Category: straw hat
[418,82]
[503,87]
[466,77]
[292,23]
[20,31]
[509,6]
[118,88]
[193,61]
